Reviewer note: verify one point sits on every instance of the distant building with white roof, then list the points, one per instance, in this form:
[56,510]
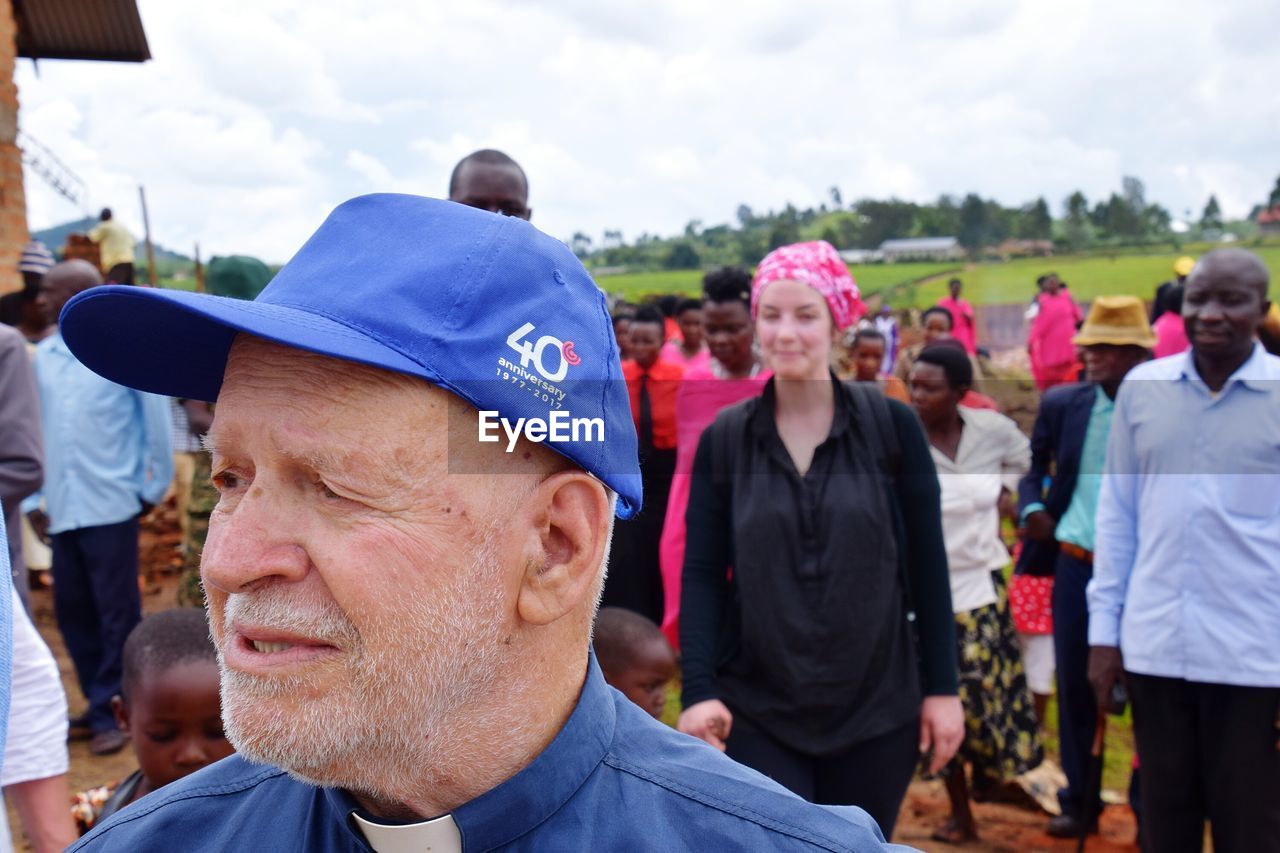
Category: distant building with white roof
[922,248]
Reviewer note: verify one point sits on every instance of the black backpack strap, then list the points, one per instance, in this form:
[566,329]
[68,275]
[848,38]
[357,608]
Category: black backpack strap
[727,433]
[872,410]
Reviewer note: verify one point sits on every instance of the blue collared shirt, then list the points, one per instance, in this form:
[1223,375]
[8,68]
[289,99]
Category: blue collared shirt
[107,447]
[1187,565]
[613,779]
[1077,524]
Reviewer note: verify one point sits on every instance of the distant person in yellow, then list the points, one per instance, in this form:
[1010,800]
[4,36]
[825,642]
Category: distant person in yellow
[115,245]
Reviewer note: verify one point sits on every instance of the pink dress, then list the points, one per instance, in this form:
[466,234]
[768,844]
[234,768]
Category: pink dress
[672,352]
[701,398]
[964,326]
[1171,334]
[1049,341]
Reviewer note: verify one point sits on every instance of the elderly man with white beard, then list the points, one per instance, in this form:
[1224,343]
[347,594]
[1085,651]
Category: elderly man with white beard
[402,608]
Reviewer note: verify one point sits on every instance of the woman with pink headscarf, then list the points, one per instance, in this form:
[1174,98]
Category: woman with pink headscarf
[816,627]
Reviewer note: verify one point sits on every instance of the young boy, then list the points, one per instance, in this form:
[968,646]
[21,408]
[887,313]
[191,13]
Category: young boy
[634,656]
[170,708]
[866,351]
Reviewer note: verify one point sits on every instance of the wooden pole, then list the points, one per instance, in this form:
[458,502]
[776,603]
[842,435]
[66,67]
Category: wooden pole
[146,227]
[199,271]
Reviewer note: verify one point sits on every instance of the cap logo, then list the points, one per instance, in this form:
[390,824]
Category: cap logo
[536,352]
[540,381]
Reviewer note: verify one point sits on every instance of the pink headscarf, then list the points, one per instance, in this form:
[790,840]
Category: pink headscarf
[819,266]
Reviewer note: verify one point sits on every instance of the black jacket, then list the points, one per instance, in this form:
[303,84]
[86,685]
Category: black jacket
[1056,444]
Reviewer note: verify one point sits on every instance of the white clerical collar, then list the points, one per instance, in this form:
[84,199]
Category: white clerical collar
[438,835]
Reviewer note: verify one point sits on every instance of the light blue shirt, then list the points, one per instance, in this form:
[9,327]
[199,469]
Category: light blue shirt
[1076,525]
[1186,576]
[107,447]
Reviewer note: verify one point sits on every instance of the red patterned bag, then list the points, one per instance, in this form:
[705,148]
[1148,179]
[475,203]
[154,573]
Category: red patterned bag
[1031,602]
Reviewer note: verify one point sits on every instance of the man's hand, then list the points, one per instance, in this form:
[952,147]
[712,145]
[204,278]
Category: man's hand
[39,525]
[147,507]
[941,727]
[1106,667]
[1040,526]
[709,720]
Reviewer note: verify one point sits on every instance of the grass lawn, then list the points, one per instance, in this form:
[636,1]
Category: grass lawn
[989,283]
[995,282]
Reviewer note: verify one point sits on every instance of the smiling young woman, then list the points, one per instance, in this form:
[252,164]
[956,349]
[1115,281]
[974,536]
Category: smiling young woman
[801,661]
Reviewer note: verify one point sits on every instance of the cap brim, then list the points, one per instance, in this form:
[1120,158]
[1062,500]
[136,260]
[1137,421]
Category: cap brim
[176,343]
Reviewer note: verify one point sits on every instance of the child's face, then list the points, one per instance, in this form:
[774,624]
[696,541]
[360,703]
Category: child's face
[646,343]
[867,358]
[175,719]
[645,680]
[690,321]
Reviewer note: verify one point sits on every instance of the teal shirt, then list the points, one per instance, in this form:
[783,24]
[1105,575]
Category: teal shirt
[1077,523]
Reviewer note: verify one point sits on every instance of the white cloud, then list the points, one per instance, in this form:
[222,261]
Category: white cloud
[258,116]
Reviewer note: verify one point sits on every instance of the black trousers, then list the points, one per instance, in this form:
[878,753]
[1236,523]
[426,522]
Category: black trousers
[1208,752]
[1077,708]
[120,274]
[872,775]
[97,604]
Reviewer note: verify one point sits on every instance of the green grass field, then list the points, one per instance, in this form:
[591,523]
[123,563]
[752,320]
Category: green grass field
[988,283]
[1014,281]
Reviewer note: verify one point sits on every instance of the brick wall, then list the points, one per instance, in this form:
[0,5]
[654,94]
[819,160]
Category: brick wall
[13,204]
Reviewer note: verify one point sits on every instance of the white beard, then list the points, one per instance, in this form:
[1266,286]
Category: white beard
[394,716]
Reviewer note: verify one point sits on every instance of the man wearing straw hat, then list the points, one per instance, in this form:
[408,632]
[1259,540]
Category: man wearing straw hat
[1184,604]
[1068,447]
[402,598]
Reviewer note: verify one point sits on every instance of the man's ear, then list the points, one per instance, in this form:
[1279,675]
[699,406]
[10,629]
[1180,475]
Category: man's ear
[121,712]
[571,515]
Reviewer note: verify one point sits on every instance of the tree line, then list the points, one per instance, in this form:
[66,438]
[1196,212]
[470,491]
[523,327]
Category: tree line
[1125,218]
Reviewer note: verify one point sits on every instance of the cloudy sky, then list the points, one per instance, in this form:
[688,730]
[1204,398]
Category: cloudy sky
[256,117]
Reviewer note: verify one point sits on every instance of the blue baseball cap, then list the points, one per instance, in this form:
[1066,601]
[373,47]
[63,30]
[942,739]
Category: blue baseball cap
[484,306]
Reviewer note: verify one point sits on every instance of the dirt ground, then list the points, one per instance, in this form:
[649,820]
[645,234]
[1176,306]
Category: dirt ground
[1003,828]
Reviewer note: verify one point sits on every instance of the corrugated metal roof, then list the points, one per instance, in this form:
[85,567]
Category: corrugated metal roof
[80,29]
[919,244]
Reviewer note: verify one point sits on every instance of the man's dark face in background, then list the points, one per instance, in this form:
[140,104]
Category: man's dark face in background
[1224,303]
[497,188]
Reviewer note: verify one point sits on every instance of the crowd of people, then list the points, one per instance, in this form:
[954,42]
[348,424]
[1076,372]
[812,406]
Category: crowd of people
[855,566]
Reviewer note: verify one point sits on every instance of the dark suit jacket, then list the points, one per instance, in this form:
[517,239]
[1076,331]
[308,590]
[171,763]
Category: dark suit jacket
[1056,444]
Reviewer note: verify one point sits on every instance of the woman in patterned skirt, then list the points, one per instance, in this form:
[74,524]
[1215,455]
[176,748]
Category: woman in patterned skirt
[978,454]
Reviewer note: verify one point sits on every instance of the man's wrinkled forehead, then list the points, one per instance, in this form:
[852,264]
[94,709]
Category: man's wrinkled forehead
[318,399]
[329,410]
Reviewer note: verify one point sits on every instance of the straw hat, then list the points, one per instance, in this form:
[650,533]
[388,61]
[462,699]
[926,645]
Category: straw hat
[1116,320]
[1184,265]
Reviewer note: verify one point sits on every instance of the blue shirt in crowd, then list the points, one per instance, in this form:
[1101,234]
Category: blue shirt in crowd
[107,447]
[1186,576]
[1077,524]
[613,779]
